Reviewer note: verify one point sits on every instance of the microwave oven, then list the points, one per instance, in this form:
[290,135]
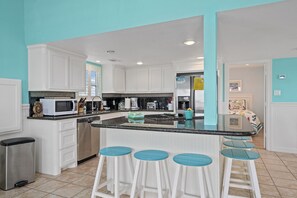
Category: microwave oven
[57,107]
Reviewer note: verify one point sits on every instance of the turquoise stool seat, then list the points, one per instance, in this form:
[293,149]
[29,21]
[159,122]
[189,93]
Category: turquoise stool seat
[248,158]
[240,154]
[151,155]
[158,158]
[191,159]
[244,138]
[239,144]
[115,151]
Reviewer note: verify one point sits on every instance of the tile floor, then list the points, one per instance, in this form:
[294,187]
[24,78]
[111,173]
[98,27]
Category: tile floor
[277,174]
[258,140]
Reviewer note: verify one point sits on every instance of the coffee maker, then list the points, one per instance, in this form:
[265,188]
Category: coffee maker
[134,104]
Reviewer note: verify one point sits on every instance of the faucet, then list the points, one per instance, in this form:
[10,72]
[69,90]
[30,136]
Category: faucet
[93,102]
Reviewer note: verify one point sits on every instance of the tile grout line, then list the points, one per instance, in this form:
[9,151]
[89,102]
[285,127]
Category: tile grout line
[270,174]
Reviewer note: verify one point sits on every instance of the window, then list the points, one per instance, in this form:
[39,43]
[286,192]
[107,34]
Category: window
[93,81]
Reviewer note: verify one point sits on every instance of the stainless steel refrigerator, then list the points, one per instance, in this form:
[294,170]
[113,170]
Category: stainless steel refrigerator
[186,96]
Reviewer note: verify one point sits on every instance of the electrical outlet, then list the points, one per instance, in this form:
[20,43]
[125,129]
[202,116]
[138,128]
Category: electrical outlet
[277,92]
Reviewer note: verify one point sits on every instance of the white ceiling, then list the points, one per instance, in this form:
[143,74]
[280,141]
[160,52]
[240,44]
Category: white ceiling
[258,33]
[249,34]
[152,44]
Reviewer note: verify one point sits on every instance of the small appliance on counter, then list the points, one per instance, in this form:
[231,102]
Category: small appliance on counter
[57,107]
[170,106]
[134,104]
[151,106]
[127,103]
[183,103]
[121,106]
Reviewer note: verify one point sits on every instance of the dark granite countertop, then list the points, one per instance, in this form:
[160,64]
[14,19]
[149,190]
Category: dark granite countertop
[231,125]
[90,114]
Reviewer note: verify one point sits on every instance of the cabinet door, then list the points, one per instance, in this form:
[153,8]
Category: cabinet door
[58,70]
[77,73]
[142,80]
[119,80]
[168,79]
[131,80]
[155,81]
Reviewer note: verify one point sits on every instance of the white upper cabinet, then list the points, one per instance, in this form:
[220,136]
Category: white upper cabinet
[52,69]
[77,71]
[142,79]
[119,79]
[155,80]
[113,79]
[150,79]
[58,70]
[131,80]
[168,79]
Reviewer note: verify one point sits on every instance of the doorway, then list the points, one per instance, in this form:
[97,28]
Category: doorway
[246,96]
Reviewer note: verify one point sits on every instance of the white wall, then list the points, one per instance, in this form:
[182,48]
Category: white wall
[252,84]
[25,127]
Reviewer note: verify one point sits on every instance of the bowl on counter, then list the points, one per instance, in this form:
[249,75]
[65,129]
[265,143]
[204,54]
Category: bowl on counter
[106,108]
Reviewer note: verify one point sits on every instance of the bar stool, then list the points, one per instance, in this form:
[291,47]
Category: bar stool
[239,168]
[242,138]
[113,152]
[243,155]
[200,161]
[155,156]
[239,144]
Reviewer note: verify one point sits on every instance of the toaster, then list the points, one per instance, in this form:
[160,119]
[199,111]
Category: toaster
[151,106]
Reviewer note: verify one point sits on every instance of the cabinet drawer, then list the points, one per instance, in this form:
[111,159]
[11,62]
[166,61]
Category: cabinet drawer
[67,125]
[67,138]
[67,156]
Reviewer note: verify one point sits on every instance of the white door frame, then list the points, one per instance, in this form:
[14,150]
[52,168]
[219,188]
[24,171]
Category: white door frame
[267,95]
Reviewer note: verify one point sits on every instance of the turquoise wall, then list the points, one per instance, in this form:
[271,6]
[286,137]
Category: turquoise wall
[288,86]
[52,20]
[13,51]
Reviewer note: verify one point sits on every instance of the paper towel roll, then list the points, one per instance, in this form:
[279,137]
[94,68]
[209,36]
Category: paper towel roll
[127,103]
[170,106]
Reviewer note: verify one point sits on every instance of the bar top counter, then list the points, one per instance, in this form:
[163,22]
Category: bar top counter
[230,125]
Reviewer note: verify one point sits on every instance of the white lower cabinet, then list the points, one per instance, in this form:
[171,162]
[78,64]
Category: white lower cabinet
[68,156]
[56,144]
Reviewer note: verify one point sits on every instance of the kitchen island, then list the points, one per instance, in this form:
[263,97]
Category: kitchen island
[175,135]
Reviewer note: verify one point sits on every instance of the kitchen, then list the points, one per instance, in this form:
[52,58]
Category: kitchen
[177,65]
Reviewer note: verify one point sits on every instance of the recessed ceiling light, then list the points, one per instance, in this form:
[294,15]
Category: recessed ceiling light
[200,58]
[110,51]
[114,60]
[139,63]
[247,64]
[97,61]
[189,42]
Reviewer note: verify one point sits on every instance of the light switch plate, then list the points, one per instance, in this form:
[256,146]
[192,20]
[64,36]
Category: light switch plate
[277,92]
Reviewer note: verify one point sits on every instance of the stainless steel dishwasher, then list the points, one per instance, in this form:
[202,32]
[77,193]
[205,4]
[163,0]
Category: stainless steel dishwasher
[88,138]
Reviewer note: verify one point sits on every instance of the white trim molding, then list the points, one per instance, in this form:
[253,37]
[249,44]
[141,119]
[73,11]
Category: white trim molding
[283,135]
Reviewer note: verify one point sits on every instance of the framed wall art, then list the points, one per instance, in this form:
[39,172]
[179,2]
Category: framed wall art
[235,85]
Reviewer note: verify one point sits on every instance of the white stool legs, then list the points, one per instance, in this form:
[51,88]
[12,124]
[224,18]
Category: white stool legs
[116,181]
[254,184]
[144,176]
[203,174]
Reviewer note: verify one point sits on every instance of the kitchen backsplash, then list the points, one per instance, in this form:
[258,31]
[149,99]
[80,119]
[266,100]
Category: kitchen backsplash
[162,100]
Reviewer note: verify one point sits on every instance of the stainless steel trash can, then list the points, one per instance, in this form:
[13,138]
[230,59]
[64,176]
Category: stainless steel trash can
[17,162]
